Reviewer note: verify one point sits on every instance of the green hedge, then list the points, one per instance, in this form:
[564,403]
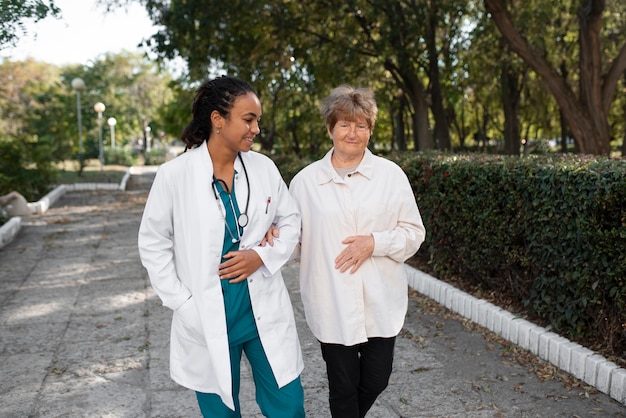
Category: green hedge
[548,230]
[551,231]
[26,166]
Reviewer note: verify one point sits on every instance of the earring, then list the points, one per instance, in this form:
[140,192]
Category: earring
[218,131]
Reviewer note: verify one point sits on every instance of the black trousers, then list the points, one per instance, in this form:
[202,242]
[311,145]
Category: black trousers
[357,375]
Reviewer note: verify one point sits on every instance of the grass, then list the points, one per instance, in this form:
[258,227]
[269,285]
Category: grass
[92,173]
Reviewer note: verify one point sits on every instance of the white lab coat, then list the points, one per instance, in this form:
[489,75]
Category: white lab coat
[180,244]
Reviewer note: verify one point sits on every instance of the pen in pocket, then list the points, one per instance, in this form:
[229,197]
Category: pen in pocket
[267,205]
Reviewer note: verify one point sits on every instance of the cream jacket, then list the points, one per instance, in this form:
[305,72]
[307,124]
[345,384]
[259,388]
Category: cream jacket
[377,199]
[180,244]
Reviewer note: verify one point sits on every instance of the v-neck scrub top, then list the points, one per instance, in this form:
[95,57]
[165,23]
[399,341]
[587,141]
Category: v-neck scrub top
[239,317]
[377,199]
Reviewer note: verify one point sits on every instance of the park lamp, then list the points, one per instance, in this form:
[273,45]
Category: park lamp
[112,122]
[78,84]
[99,108]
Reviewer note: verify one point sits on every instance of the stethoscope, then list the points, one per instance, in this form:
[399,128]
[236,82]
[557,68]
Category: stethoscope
[242,219]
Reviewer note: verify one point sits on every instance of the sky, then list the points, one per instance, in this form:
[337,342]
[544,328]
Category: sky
[83,33]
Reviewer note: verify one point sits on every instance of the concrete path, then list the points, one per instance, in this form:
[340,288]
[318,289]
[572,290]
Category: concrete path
[82,334]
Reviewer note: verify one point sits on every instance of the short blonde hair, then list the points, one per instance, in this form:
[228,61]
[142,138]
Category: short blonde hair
[348,103]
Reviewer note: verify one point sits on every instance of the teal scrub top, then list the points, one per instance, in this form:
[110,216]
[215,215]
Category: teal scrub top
[239,317]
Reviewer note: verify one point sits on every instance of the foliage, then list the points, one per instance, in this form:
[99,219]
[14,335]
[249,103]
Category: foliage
[119,156]
[133,90]
[289,164]
[439,69]
[435,66]
[92,173]
[155,156]
[584,90]
[13,13]
[26,166]
[39,112]
[549,230]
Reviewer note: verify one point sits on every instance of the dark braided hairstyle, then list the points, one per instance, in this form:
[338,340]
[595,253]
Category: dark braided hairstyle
[217,94]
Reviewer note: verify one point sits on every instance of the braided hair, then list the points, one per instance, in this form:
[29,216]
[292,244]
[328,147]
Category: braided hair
[218,94]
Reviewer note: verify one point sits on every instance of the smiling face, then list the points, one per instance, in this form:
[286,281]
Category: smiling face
[237,131]
[350,138]
[350,117]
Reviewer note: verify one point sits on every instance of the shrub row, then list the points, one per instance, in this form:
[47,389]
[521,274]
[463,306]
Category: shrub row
[551,231]
[26,166]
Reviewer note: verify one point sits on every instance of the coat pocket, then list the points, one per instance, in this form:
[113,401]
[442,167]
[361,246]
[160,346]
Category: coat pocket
[187,322]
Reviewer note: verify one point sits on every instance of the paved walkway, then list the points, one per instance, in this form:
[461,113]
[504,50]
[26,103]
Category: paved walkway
[82,334]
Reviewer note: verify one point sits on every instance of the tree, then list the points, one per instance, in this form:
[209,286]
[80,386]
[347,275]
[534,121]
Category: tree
[30,98]
[38,105]
[437,80]
[14,12]
[585,108]
[296,48]
[133,90]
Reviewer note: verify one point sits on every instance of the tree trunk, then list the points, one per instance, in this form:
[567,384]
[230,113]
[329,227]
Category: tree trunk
[399,133]
[442,129]
[480,137]
[624,137]
[409,83]
[267,140]
[422,139]
[562,121]
[510,104]
[587,116]
[563,132]
[590,64]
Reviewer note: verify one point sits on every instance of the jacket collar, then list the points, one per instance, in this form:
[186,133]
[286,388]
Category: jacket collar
[326,172]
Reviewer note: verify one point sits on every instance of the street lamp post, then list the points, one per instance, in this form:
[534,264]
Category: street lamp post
[112,122]
[148,129]
[78,84]
[99,107]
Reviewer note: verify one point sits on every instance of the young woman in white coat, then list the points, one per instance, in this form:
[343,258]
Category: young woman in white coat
[206,215]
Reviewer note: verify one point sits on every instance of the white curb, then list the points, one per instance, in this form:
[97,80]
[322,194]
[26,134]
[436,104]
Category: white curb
[572,358]
[10,229]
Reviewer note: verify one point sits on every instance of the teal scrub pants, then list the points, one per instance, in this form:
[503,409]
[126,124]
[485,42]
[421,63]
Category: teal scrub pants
[274,402]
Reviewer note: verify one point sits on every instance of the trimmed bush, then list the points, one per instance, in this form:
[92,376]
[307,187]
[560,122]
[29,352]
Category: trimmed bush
[549,230]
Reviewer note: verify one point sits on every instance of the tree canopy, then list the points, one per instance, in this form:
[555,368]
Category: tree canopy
[39,106]
[586,106]
[446,73]
[449,75]
[14,13]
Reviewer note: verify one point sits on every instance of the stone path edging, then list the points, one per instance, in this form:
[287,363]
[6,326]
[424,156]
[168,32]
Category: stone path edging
[571,357]
[11,228]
